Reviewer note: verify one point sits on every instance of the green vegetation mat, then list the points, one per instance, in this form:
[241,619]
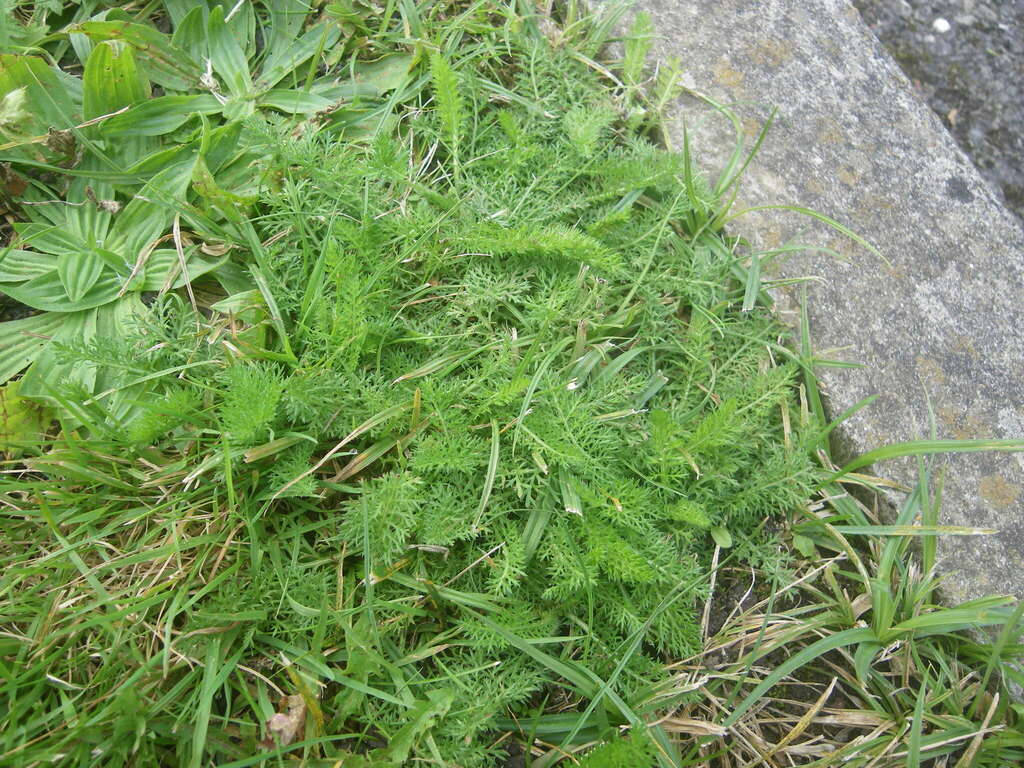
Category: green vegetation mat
[384,395]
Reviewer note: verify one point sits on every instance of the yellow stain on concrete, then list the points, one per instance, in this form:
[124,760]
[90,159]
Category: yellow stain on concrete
[728,76]
[998,492]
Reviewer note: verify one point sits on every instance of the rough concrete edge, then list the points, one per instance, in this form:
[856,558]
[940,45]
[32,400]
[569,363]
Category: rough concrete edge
[845,442]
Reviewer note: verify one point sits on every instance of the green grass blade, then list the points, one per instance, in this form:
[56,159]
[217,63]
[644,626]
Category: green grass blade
[927,448]
[916,730]
[492,470]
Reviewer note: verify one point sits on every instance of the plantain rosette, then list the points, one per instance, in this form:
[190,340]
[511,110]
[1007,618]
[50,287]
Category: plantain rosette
[84,269]
[129,160]
[215,64]
[92,247]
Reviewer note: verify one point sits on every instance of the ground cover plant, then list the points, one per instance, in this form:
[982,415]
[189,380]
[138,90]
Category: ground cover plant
[386,395]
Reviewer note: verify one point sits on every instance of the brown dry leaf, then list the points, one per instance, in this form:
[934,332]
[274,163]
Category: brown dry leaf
[858,718]
[818,749]
[61,142]
[691,726]
[13,184]
[860,604]
[284,726]
[215,249]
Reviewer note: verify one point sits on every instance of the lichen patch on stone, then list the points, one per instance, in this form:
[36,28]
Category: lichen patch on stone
[998,492]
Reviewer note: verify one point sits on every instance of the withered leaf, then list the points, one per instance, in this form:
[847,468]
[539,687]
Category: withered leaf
[284,727]
[13,183]
[61,142]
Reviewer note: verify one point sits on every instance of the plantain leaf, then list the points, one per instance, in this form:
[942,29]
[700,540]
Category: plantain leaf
[227,56]
[164,264]
[190,32]
[21,421]
[366,80]
[16,266]
[165,63]
[111,80]
[294,102]
[47,103]
[285,60]
[34,100]
[285,19]
[241,21]
[148,216]
[78,273]
[336,92]
[47,292]
[179,10]
[47,369]
[22,340]
[388,74]
[161,115]
[220,146]
[111,321]
[49,239]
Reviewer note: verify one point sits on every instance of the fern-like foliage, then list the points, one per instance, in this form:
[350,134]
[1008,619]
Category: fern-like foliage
[249,402]
[635,750]
[449,103]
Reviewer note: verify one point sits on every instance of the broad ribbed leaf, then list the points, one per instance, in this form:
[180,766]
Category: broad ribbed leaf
[159,116]
[179,10]
[190,33]
[88,220]
[241,21]
[220,146]
[116,321]
[344,91]
[165,63]
[148,216]
[47,293]
[285,19]
[78,272]
[164,263]
[174,155]
[49,239]
[374,79]
[17,266]
[47,104]
[226,55]
[22,340]
[111,80]
[114,261]
[283,61]
[295,102]
[238,108]
[111,321]
[48,369]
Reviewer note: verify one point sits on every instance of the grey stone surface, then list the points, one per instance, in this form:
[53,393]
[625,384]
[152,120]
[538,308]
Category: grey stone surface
[943,324]
[972,76]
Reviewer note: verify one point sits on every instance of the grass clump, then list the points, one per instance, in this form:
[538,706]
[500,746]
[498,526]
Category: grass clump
[857,660]
[428,424]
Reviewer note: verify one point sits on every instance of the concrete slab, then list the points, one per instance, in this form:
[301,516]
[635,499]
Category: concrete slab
[944,324]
